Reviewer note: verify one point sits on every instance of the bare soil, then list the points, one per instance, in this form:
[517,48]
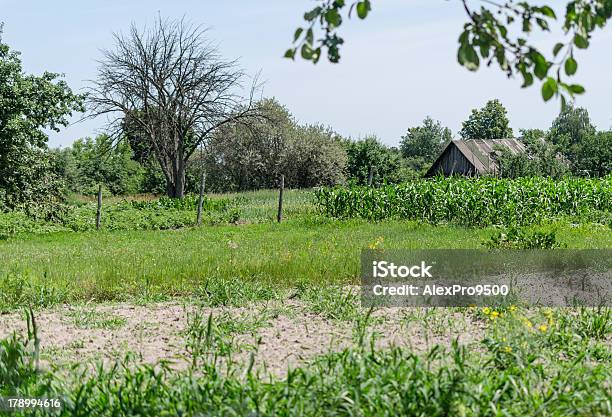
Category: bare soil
[278,335]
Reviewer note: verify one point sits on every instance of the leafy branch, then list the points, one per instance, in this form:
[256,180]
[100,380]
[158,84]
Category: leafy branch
[495,33]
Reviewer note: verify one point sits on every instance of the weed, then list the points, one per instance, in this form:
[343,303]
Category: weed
[333,302]
[516,238]
[94,319]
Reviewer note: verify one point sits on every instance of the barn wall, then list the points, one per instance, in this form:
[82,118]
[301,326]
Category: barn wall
[453,162]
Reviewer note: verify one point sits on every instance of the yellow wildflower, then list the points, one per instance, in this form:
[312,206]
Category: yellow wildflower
[374,245]
[486,311]
[508,349]
[543,328]
[512,308]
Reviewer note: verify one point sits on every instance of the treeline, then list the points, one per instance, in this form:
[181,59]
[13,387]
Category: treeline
[252,156]
[239,144]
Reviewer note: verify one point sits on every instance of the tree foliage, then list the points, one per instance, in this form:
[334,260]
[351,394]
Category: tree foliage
[496,33]
[254,155]
[490,122]
[90,162]
[30,104]
[593,157]
[571,127]
[588,151]
[542,158]
[370,152]
[421,145]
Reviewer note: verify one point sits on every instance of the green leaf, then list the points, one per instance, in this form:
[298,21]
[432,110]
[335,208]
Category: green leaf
[290,53]
[468,57]
[501,58]
[571,66]
[316,54]
[576,89]
[306,52]
[312,15]
[333,17]
[563,103]
[297,34]
[558,48]
[581,42]
[549,88]
[363,7]
[547,11]
[541,65]
[528,79]
[309,36]
[543,24]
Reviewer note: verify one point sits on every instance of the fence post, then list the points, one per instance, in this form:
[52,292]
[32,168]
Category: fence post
[370,175]
[279,217]
[99,210]
[201,200]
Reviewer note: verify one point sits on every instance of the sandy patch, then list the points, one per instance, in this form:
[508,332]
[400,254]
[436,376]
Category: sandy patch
[277,335]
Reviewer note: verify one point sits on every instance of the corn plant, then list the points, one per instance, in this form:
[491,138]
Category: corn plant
[473,201]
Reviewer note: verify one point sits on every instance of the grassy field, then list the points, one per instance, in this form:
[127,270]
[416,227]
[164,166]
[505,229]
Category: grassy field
[123,265]
[246,289]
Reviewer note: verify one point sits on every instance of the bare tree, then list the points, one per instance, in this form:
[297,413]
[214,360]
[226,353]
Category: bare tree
[172,84]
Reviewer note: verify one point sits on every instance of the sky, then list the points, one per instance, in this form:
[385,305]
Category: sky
[398,66]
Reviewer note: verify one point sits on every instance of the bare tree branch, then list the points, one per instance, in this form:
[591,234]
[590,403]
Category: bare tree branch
[175,89]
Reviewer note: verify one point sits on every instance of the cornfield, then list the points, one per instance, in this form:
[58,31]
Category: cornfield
[473,201]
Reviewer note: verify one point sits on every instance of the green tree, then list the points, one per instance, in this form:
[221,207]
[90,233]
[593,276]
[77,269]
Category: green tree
[541,158]
[254,155]
[315,156]
[577,138]
[421,145]
[571,127]
[593,157]
[249,156]
[89,162]
[370,152]
[30,104]
[496,33]
[490,122]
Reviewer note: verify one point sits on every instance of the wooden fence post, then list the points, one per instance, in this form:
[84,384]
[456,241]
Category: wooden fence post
[279,217]
[370,175]
[99,210]
[201,200]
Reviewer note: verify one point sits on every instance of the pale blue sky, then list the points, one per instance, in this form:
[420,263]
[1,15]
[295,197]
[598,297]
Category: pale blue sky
[398,66]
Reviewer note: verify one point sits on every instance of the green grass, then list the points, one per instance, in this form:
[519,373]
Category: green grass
[147,212]
[84,318]
[264,257]
[529,363]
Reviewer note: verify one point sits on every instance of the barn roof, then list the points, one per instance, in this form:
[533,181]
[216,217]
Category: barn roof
[480,152]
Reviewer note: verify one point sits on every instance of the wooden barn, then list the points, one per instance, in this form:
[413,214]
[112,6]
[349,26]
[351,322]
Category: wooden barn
[473,157]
